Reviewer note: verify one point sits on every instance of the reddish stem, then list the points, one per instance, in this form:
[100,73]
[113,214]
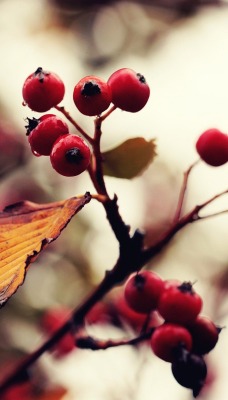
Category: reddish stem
[75,124]
[182,192]
[88,342]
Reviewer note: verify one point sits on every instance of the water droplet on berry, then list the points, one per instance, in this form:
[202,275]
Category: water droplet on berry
[34,152]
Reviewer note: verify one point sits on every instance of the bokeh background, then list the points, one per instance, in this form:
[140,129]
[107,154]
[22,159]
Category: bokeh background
[181,47]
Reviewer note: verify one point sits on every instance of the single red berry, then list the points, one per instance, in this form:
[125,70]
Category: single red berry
[99,314]
[51,321]
[143,290]
[130,91]
[204,334]
[92,95]
[179,303]
[42,136]
[19,391]
[70,155]
[167,338]
[190,371]
[43,90]
[127,316]
[212,146]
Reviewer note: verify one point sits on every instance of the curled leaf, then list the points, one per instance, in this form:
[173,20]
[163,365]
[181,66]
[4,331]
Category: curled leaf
[130,158]
[26,228]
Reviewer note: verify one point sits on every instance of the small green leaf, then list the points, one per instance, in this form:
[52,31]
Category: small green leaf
[130,158]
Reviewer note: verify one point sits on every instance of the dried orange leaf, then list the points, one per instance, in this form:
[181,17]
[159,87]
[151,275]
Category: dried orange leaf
[25,229]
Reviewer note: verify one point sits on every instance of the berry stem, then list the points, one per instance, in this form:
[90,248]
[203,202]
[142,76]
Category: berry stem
[105,115]
[182,192]
[95,170]
[74,123]
[88,342]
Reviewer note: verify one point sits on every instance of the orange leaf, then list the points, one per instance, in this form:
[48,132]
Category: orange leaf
[25,229]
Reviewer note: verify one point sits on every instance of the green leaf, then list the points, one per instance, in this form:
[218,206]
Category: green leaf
[129,159]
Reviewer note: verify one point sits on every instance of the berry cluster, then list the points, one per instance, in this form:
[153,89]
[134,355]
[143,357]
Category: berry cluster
[48,135]
[184,335]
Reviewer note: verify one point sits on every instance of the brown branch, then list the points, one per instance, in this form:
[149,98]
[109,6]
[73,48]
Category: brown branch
[132,257]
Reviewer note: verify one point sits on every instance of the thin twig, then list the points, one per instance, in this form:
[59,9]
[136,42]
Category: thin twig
[88,342]
[105,115]
[182,192]
[189,218]
[74,123]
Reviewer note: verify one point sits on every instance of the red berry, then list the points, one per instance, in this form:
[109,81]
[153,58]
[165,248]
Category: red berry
[212,146]
[51,321]
[190,371]
[167,338]
[127,315]
[130,92]
[92,95]
[99,314]
[42,137]
[179,303]
[43,90]
[204,334]
[70,155]
[142,291]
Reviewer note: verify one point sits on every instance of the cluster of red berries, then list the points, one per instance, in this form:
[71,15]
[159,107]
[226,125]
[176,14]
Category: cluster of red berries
[184,335]
[212,147]
[49,135]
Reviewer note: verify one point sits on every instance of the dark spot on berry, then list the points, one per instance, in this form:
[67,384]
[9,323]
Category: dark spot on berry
[74,155]
[90,89]
[40,74]
[141,78]
[139,281]
[32,123]
[186,287]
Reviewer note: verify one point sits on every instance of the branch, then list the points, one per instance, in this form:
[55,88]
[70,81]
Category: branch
[132,257]
[88,342]
[189,218]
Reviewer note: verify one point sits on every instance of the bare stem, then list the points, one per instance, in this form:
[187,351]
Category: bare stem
[88,342]
[74,123]
[190,217]
[105,115]
[182,192]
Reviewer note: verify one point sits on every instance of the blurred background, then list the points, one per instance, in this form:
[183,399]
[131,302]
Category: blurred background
[181,47]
